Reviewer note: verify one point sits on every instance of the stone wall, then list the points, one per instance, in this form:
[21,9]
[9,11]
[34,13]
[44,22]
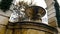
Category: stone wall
[3,20]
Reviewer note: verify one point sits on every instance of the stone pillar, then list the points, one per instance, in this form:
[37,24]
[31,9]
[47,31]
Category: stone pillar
[51,13]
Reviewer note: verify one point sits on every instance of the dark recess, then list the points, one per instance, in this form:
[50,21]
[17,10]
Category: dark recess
[56,5]
[5,4]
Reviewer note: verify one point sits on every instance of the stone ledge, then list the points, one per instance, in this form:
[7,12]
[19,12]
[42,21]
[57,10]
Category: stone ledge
[32,25]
